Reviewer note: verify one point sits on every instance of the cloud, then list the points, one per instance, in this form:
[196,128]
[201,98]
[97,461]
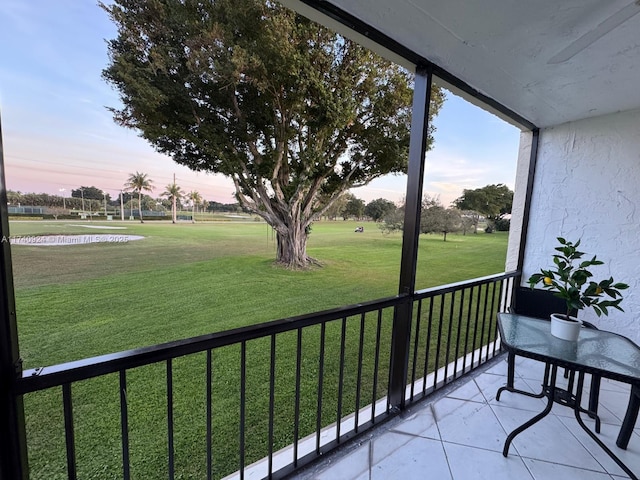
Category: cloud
[58,133]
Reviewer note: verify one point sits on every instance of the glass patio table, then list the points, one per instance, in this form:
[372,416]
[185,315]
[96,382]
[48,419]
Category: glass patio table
[596,352]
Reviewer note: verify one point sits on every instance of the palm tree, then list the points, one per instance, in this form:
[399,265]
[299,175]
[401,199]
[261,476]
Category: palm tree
[173,192]
[196,199]
[137,182]
[205,205]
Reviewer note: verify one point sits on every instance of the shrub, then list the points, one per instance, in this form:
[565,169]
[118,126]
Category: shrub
[502,225]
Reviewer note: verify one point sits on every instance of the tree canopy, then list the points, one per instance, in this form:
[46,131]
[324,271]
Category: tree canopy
[289,110]
[90,193]
[393,221]
[353,208]
[380,207]
[492,201]
[434,218]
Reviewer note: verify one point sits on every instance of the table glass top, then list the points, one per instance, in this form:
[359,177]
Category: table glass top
[595,350]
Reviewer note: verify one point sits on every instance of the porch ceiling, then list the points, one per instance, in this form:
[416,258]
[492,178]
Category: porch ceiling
[548,61]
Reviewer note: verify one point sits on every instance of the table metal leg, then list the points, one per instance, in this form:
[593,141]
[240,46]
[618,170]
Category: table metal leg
[549,390]
[510,381]
[511,369]
[594,394]
[578,410]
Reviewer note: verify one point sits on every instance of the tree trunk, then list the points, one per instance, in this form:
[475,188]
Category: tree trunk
[292,248]
[140,206]
[174,208]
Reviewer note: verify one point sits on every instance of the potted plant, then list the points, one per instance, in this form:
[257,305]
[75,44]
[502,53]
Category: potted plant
[572,281]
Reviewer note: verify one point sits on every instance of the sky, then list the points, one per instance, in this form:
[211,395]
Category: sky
[59,135]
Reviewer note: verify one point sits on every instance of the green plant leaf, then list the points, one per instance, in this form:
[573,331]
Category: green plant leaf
[574,284]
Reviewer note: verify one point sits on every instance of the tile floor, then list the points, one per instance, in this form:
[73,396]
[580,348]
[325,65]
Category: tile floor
[460,433]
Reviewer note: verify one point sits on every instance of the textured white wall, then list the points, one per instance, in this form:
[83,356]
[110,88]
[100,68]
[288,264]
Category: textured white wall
[517,211]
[587,186]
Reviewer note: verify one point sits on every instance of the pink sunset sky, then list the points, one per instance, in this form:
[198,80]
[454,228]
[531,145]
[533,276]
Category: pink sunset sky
[58,134]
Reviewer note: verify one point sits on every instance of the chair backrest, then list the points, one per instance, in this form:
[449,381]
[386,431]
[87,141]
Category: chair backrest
[537,303]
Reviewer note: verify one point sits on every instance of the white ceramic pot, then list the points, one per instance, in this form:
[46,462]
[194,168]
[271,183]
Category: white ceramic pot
[565,329]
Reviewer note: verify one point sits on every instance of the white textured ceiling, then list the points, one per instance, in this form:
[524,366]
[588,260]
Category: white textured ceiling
[550,61]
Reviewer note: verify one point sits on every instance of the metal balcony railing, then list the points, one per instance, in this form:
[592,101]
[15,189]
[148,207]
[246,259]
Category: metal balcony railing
[261,400]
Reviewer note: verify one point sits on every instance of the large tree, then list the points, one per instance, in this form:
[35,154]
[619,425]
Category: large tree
[353,208]
[492,201]
[379,208]
[90,193]
[287,109]
[393,221]
[437,219]
[434,218]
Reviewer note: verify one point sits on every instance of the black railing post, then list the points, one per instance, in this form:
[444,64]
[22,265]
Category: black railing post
[402,314]
[13,449]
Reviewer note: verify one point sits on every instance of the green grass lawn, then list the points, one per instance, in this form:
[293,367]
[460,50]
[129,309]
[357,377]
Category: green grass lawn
[186,280]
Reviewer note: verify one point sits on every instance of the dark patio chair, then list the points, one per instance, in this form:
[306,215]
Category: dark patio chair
[541,304]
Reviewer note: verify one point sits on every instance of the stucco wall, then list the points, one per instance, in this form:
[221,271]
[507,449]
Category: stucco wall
[587,186]
[519,193]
